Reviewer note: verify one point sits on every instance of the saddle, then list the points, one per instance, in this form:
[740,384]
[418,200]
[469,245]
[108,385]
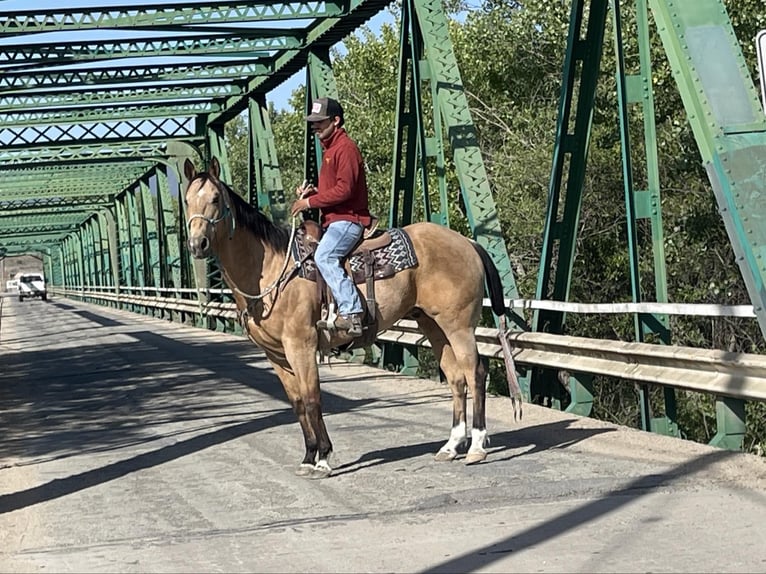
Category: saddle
[378,255]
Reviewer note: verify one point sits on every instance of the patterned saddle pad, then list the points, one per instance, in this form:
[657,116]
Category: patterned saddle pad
[392,257]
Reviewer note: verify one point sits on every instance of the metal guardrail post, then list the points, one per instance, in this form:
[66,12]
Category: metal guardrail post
[581,394]
[730,423]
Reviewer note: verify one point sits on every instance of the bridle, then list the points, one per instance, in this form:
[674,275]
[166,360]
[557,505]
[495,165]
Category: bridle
[225,214]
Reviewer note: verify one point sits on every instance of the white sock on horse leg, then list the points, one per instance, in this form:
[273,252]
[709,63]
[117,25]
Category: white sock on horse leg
[457,436]
[479,440]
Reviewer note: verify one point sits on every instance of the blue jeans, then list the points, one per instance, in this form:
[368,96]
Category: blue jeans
[338,239]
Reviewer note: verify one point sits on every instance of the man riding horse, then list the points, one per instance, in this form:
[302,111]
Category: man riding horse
[342,197]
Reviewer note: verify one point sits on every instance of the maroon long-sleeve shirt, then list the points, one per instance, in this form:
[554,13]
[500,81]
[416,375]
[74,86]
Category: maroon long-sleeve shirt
[342,188]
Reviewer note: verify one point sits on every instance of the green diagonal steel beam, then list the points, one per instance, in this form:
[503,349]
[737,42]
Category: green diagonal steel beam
[728,122]
[324,33]
[453,104]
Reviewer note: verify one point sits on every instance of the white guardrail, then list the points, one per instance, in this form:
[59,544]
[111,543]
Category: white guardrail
[736,375]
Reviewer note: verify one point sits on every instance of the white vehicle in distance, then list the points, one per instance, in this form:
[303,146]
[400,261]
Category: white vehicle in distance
[31,284]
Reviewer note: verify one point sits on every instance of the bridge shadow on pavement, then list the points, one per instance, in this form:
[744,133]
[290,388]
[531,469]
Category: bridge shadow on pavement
[144,388]
[575,519]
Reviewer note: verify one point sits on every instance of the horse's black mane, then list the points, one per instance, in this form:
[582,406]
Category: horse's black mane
[276,236]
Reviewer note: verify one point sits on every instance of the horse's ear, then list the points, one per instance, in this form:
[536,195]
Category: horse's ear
[189,170]
[215,168]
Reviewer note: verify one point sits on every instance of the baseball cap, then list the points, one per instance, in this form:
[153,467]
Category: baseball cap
[323,108]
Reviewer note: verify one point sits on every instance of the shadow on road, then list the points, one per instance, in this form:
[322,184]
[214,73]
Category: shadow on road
[613,501]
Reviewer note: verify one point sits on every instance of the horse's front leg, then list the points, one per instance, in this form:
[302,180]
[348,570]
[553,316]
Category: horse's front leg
[301,354]
[292,388]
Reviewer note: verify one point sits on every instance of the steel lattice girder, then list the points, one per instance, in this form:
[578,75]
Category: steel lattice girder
[115,86]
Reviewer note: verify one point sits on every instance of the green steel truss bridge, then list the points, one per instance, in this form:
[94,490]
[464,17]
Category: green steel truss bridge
[99,107]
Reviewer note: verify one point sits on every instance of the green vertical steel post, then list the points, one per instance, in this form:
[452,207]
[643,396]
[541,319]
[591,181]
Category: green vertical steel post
[419,73]
[649,206]
[123,237]
[66,280]
[152,238]
[58,277]
[408,122]
[630,208]
[434,147]
[114,248]
[192,271]
[217,148]
[266,188]
[92,252]
[87,250]
[134,215]
[170,227]
[68,262]
[582,61]
[395,357]
[320,82]
[137,237]
[104,269]
[172,259]
[78,257]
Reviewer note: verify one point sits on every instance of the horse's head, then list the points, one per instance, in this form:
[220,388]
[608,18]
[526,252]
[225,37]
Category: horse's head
[208,209]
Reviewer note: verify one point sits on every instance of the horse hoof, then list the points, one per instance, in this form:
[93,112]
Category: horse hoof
[445,456]
[319,473]
[321,470]
[304,470]
[475,457]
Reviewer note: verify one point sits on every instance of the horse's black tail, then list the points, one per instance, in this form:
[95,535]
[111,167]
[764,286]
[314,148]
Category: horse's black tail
[494,284]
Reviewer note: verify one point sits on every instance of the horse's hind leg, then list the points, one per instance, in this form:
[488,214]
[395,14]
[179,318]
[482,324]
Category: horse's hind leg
[477,385]
[462,357]
[456,380]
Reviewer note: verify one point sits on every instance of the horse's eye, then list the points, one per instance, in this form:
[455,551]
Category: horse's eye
[214,201]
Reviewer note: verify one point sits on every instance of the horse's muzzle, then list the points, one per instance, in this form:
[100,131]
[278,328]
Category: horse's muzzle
[199,246]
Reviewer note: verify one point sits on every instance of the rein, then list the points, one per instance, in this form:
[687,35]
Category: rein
[273,286]
[228,214]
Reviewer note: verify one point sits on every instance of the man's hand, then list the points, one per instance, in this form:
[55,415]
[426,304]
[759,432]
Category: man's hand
[299,205]
[305,190]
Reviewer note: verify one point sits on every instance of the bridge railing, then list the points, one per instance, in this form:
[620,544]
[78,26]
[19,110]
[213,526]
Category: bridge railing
[731,377]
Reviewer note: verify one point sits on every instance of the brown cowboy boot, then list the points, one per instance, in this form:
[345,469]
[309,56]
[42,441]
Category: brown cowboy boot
[351,323]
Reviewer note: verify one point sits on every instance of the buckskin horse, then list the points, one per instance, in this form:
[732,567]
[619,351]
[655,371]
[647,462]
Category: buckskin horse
[279,310]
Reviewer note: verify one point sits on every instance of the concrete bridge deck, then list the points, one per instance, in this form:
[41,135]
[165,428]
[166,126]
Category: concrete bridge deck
[130,444]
